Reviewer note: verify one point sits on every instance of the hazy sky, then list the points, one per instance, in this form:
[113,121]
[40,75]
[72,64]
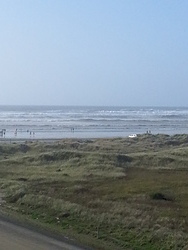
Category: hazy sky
[94,52]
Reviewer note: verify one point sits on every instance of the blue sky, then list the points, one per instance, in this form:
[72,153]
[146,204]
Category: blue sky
[94,52]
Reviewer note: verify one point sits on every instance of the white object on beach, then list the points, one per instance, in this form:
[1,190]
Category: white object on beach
[133,136]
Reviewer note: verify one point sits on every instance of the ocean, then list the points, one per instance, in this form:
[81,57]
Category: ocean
[56,122]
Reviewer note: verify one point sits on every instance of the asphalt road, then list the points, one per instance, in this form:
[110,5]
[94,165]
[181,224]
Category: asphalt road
[16,237]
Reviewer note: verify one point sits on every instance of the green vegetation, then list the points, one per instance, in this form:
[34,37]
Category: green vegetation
[116,193]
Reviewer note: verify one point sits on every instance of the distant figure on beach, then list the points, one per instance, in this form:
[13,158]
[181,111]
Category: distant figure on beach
[3,132]
[32,133]
[16,131]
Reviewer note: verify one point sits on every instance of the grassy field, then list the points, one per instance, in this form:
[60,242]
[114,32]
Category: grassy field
[119,193]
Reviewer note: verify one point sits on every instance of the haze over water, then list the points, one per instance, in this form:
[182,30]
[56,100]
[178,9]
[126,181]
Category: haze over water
[90,122]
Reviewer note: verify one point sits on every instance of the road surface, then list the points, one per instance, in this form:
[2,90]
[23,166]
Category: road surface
[16,237]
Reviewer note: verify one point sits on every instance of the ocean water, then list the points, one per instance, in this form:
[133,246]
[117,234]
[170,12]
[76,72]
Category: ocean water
[90,122]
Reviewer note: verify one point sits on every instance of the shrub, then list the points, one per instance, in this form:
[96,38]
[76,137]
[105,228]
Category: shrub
[161,196]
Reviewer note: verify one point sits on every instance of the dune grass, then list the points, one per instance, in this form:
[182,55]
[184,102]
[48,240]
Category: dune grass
[116,193]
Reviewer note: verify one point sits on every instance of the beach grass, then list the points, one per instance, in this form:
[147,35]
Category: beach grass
[119,193]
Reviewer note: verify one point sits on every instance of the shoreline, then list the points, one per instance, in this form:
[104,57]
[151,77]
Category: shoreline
[56,139]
